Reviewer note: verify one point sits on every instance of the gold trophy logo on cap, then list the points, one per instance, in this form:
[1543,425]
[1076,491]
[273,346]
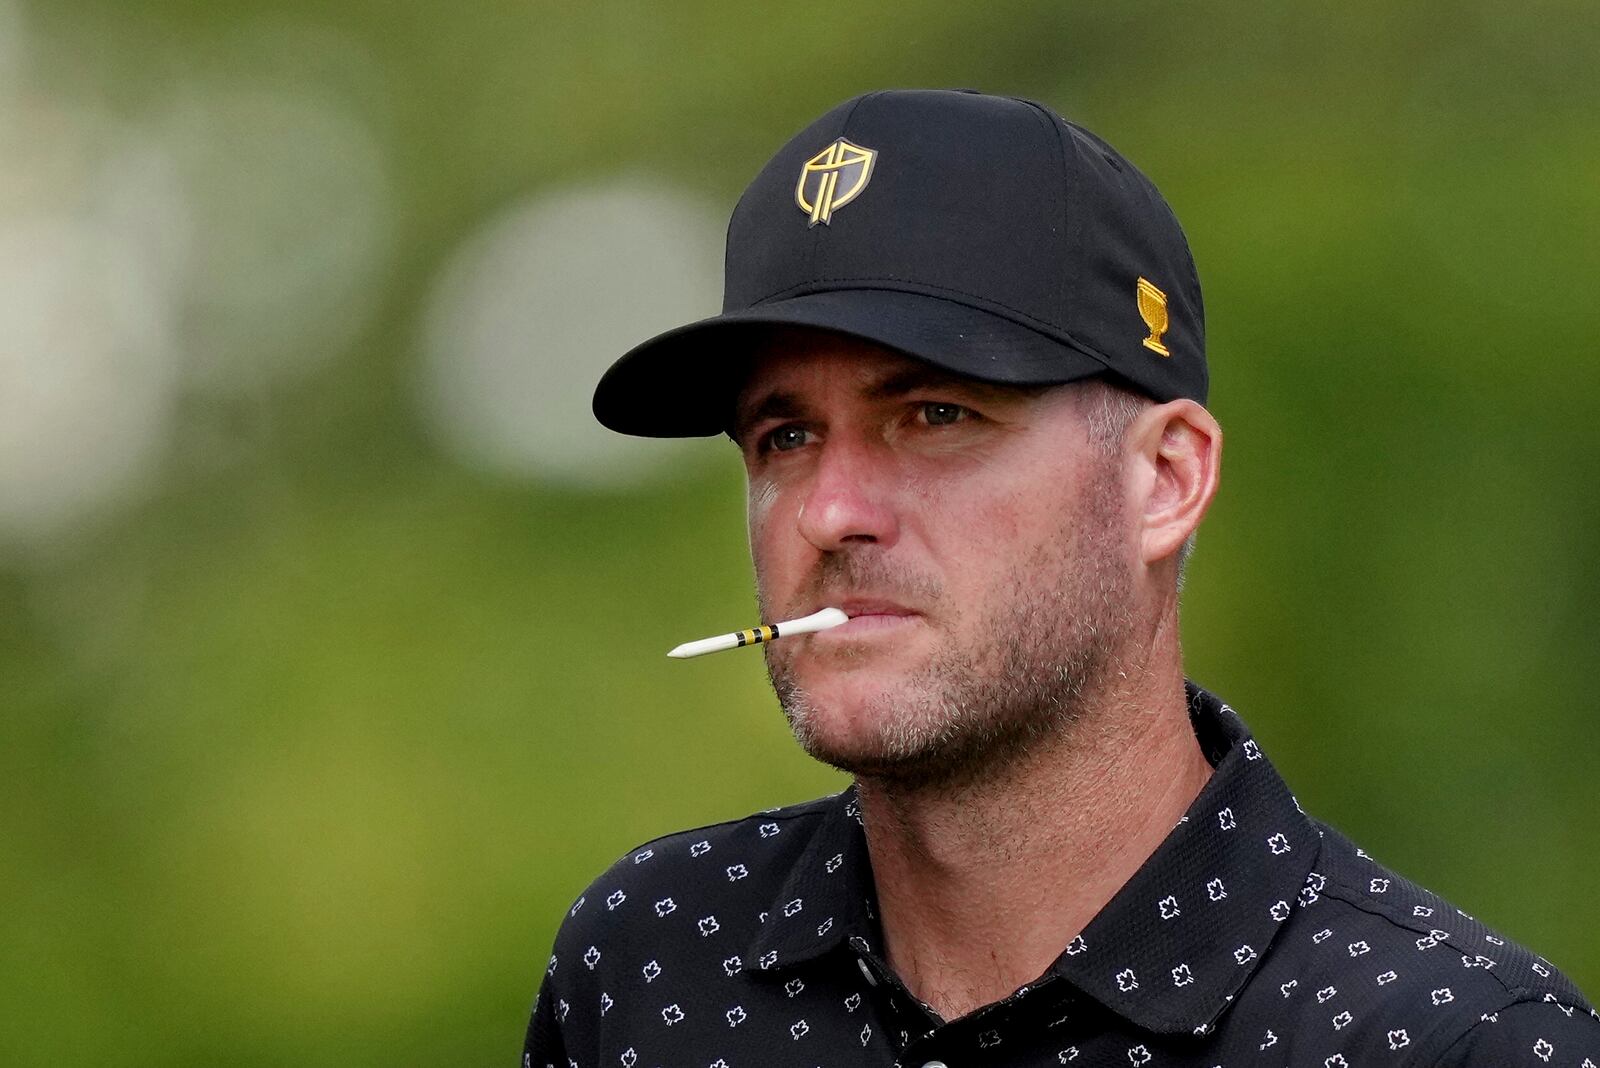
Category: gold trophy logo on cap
[1153,310]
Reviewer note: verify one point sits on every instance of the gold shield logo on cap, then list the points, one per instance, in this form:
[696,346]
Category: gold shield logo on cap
[1153,310]
[833,178]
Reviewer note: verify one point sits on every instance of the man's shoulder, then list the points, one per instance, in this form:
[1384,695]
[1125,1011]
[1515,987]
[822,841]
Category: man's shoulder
[1441,937]
[1426,972]
[698,842]
[748,857]
[675,918]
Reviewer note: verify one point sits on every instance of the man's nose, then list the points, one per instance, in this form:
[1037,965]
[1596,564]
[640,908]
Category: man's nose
[849,500]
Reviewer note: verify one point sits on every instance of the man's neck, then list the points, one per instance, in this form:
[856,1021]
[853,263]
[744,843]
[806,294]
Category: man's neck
[981,887]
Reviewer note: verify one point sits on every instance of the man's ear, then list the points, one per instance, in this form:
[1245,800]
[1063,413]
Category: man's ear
[1176,450]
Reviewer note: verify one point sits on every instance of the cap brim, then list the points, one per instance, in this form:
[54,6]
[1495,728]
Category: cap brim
[683,383]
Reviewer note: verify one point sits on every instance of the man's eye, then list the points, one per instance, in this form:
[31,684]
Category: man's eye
[785,438]
[939,414]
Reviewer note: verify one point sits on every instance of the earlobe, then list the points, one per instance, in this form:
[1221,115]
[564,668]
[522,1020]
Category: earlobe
[1181,445]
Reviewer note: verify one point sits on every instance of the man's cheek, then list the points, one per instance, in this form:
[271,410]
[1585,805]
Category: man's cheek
[768,550]
[762,496]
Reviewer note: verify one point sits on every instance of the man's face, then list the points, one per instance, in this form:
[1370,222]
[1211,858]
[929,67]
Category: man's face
[975,534]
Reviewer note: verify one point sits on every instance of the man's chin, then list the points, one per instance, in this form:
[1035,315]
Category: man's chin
[911,734]
[841,717]
[880,718]
[853,699]
[871,766]
[866,731]
[932,762]
[854,748]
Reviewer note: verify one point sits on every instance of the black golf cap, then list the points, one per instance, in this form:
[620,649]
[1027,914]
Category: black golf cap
[985,235]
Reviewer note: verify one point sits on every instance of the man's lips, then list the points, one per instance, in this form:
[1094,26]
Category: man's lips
[856,606]
[870,616]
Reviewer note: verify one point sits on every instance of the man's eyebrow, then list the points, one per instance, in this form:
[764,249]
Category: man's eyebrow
[776,405]
[784,405]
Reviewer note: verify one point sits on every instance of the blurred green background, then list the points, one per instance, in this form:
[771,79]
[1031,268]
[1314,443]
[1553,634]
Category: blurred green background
[331,631]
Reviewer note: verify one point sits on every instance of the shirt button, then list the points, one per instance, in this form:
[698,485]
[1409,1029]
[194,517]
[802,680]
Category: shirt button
[866,971]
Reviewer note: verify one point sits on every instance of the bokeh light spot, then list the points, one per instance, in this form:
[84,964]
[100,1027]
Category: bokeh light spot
[530,311]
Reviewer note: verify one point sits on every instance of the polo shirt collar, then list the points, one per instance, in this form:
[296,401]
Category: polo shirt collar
[1244,840]
[827,897]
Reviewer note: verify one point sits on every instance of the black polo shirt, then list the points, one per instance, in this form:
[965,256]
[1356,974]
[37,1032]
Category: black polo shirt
[1253,936]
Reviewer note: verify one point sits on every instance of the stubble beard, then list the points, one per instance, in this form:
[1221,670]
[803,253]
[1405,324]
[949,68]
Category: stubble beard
[1040,652]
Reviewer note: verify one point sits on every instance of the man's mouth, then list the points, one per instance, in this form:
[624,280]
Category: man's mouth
[871,616]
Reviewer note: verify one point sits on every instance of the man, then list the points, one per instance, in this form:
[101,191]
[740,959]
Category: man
[962,354]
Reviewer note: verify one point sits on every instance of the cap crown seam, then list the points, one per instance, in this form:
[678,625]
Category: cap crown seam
[1069,236]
